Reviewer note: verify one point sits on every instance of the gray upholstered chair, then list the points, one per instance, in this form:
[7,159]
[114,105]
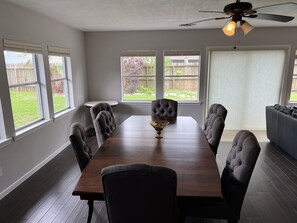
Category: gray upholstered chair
[137,193]
[164,109]
[214,130]
[82,152]
[235,179]
[215,109]
[95,109]
[104,126]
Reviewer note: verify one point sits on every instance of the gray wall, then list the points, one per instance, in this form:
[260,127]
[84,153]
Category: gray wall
[20,159]
[103,59]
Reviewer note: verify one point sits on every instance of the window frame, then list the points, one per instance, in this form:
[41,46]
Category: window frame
[294,76]
[66,58]
[37,56]
[138,53]
[183,53]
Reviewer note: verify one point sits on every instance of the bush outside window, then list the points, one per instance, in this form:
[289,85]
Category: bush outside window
[181,75]
[138,77]
[59,83]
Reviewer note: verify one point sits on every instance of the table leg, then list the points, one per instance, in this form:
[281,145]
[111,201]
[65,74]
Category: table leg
[91,206]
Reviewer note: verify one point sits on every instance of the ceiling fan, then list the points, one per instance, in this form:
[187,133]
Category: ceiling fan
[236,11]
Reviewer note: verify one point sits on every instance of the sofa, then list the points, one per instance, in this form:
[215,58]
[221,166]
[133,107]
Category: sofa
[281,126]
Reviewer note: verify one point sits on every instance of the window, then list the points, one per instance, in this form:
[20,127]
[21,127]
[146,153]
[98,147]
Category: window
[138,76]
[59,72]
[245,81]
[21,61]
[181,75]
[2,133]
[293,96]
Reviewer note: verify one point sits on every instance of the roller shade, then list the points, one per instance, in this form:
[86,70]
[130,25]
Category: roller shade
[181,53]
[58,51]
[140,53]
[14,45]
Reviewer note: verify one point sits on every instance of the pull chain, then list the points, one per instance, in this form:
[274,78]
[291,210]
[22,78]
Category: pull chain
[237,40]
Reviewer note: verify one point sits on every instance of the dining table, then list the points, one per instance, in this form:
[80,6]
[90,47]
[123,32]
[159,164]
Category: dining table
[183,148]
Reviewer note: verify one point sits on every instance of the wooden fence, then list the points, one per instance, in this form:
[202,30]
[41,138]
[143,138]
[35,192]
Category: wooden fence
[22,75]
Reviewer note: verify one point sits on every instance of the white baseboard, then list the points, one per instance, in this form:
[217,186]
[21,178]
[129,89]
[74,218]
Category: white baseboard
[32,171]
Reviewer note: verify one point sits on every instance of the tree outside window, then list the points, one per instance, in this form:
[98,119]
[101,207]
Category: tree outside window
[138,78]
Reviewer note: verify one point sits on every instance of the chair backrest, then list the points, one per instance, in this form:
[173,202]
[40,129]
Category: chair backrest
[164,109]
[140,193]
[236,175]
[215,109]
[214,130]
[79,144]
[97,108]
[104,126]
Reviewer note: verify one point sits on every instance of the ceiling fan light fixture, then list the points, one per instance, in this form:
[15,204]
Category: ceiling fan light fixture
[246,27]
[229,28]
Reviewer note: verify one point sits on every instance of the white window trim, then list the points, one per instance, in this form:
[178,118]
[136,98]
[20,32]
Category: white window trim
[36,51]
[65,54]
[294,62]
[30,129]
[137,53]
[184,53]
[5,142]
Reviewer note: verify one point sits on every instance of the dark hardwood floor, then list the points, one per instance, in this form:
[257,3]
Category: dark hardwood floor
[46,196]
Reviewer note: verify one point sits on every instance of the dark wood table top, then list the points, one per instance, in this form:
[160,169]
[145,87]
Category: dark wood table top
[183,148]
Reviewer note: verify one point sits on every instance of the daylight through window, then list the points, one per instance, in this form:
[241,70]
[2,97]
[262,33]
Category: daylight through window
[293,96]
[181,79]
[138,76]
[58,59]
[24,85]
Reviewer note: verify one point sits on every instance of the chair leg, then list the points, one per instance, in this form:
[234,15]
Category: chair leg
[91,206]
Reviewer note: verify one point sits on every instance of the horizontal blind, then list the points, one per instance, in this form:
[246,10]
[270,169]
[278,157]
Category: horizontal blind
[181,53]
[138,53]
[58,51]
[14,45]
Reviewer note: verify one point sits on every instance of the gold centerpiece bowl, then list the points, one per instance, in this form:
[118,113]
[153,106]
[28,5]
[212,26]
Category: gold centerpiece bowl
[159,125]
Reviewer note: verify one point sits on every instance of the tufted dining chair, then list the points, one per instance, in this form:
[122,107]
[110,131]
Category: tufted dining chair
[215,109]
[104,126]
[143,193]
[164,109]
[213,131]
[235,179]
[82,153]
[95,109]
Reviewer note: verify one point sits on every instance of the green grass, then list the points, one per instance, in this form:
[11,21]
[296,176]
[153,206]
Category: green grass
[293,96]
[180,95]
[59,102]
[144,97]
[171,94]
[25,107]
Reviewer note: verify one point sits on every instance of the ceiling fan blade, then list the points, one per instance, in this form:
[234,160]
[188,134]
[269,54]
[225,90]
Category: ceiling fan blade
[274,17]
[212,11]
[204,20]
[277,7]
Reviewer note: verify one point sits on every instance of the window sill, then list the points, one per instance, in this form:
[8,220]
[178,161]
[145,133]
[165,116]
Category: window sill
[292,103]
[148,102]
[30,129]
[33,128]
[61,114]
[5,142]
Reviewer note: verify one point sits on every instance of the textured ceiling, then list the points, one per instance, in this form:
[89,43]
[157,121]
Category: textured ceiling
[119,15]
